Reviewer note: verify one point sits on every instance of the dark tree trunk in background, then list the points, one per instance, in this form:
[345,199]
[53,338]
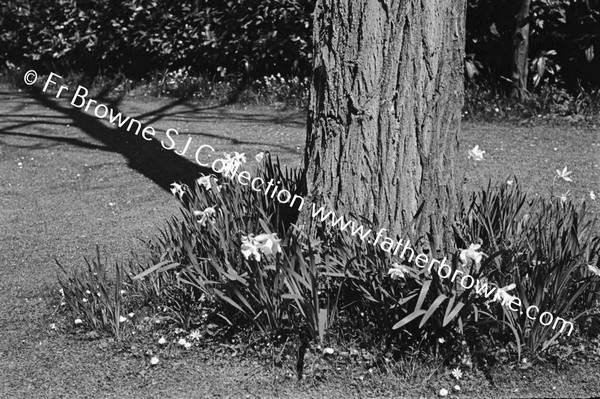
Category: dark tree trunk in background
[520,70]
[385,110]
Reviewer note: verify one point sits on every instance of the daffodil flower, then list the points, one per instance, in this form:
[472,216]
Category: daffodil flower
[182,341]
[195,335]
[162,341]
[259,157]
[594,270]
[78,321]
[154,361]
[240,157]
[177,189]
[564,174]
[207,214]
[398,271]
[471,253]
[249,248]
[268,243]
[204,181]
[122,319]
[592,195]
[563,197]
[476,154]
[503,296]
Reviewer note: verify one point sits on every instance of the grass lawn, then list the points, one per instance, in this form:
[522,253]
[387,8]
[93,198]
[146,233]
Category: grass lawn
[69,182]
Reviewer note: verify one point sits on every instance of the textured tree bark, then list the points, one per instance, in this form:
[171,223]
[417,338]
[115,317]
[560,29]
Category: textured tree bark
[520,70]
[385,110]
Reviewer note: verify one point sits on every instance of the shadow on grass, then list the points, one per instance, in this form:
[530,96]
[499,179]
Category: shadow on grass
[148,158]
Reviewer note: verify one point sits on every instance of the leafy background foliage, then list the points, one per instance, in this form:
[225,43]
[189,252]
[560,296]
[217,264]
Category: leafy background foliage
[214,38]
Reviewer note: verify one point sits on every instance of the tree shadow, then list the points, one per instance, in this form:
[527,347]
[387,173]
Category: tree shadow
[149,158]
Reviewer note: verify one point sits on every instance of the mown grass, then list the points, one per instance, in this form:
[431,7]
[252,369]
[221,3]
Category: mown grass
[72,192]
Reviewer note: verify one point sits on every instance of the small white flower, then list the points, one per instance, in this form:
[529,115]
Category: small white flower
[207,214]
[503,296]
[78,321]
[328,351]
[177,189]
[456,373]
[97,293]
[188,345]
[131,315]
[62,292]
[441,340]
[162,341]
[84,300]
[398,271]
[592,195]
[497,109]
[471,253]
[182,341]
[122,319]
[476,154]
[154,361]
[564,196]
[205,181]
[443,392]
[240,157]
[594,270]
[53,326]
[88,292]
[123,292]
[268,243]
[509,182]
[564,174]
[195,335]
[259,157]
[456,388]
[249,248]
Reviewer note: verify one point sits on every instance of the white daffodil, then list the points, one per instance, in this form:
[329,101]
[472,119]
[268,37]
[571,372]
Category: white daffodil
[268,243]
[207,214]
[564,174]
[195,335]
[162,341]
[204,181]
[443,392]
[182,341]
[249,248]
[187,345]
[231,164]
[592,195]
[259,156]
[177,189]
[398,271]
[594,270]
[78,321]
[564,196]
[471,253]
[503,296]
[240,157]
[122,319]
[154,361]
[476,154]
[131,315]
[510,182]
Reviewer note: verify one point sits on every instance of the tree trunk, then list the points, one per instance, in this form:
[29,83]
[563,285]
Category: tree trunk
[385,109]
[520,70]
